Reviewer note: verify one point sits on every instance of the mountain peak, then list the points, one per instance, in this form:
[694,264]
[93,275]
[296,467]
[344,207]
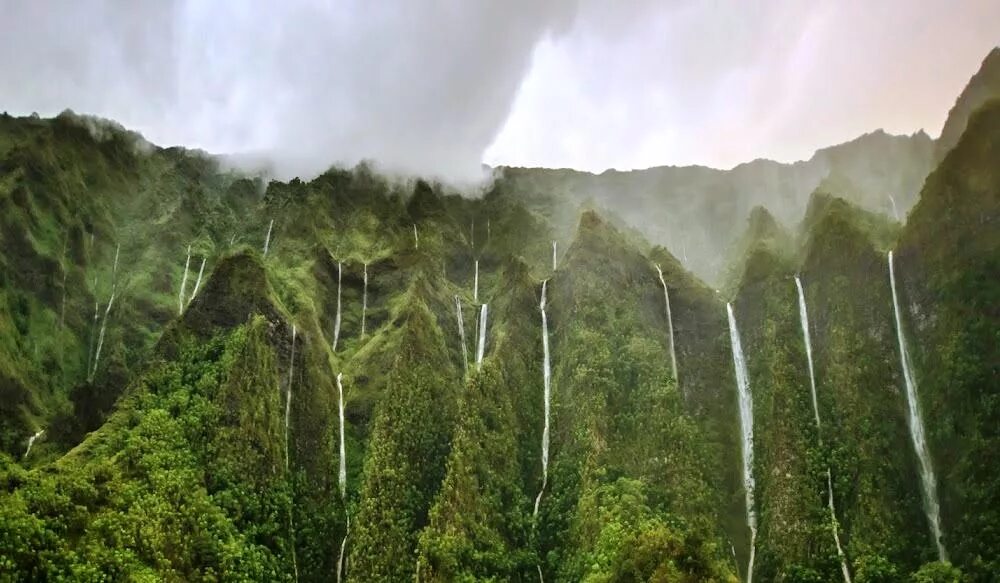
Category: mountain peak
[982,87]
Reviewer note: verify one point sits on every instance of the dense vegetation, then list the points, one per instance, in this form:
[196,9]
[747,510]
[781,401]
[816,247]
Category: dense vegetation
[192,424]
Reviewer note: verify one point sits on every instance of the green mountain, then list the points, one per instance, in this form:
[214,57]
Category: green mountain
[984,86]
[221,376]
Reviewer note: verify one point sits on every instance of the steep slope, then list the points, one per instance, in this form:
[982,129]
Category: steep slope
[948,263]
[696,211]
[630,481]
[860,392]
[982,87]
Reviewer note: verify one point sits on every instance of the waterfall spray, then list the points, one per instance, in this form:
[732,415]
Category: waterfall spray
[482,338]
[916,424]
[197,282]
[804,321]
[267,239]
[336,320]
[670,322]
[461,335]
[31,442]
[554,248]
[342,474]
[475,284]
[746,433]
[547,384]
[364,302]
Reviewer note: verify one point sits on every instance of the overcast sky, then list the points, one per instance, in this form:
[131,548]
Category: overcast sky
[439,86]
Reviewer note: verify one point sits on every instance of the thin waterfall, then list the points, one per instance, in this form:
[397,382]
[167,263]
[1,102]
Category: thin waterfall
[364,302]
[288,392]
[416,239]
[804,321]
[31,442]
[472,231]
[93,330]
[670,322]
[184,281]
[482,338]
[342,476]
[555,247]
[547,388]
[746,433]
[916,424]
[475,284]
[267,238]
[197,282]
[336,320]
[895,210]
[461,335]
[100,340]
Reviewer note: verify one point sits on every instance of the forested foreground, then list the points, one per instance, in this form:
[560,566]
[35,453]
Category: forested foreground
[205,375]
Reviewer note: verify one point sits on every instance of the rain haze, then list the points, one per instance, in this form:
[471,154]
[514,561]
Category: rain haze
[441,87]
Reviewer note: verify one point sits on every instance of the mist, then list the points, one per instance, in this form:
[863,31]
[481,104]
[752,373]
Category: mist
[421,88]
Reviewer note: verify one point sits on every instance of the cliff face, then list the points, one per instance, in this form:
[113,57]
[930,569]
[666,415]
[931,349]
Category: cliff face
[206,437]
[984,86]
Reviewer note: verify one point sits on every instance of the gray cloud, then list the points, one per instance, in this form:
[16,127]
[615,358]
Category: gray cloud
[418,86]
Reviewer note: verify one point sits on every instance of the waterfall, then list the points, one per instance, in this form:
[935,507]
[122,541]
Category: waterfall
[114,270]
[342,475]
[364,302]
[100,340]
[746,433]
[31,442]
[461,335]
[916,424]
[472,230]
[554,248]
[804,321]
[184,282]
[547,388]
[197,282]
[267,239]
[895,210]
[475,285]
[288,392]
[336,320]
[416,239]
[670,322]
[93,330]
[232,240]
[482,338]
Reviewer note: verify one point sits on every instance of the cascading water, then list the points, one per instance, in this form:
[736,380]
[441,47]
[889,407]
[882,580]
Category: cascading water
[554,255]
[31,442]
[746,433]
[267,238]
[482,338]
[288,392]
[804,321]
[184,282]
[93,330]
[364,302]
[670,322]
[342,475]
[336,320]
[100,340]
[475,284]
[288,414]
[916,424]
[197,282]
[461,335]
[416,238]
[547,393]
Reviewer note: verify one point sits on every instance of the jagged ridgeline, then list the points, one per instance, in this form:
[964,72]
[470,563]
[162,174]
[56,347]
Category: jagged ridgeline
[207,376]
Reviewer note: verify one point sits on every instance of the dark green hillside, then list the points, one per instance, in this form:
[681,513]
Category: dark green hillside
[189,430]
[948,259]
